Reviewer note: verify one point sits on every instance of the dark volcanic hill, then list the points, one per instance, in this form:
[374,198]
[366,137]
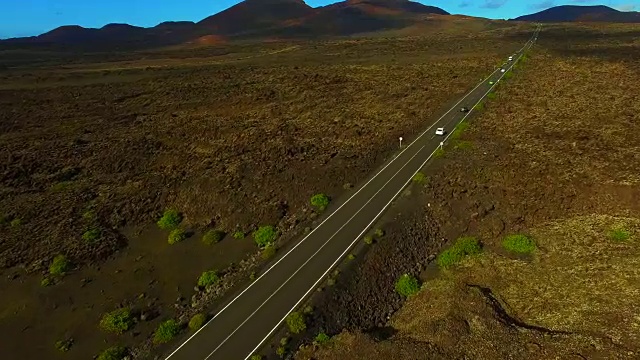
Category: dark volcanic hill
[247,19]
[355,16]
[574,13]
[254,15]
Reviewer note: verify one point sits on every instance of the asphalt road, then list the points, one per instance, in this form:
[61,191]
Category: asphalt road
[245,322]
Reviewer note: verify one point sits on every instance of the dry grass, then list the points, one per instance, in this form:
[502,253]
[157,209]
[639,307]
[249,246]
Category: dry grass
[556,158]
[580,282]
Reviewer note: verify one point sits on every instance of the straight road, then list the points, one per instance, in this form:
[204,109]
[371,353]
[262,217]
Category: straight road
[242,326]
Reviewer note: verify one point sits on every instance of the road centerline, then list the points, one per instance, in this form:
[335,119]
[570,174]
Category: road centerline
[316,252]
[273,280]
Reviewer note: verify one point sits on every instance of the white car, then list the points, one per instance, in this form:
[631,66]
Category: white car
[510,58]
[440,131]
[501,70]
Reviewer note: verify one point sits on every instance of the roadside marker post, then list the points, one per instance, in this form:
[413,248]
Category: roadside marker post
[400,141]
[441,144]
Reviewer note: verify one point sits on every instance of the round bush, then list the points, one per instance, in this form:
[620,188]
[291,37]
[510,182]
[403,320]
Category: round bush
[265,235]
[322,338]
[407,285]
[113,353]
[91,235]
[208,278]
[169,220]
[176,236]
[320,201]
[166,331]
[197,321]
[117,321]
[213,236]
[60,265]
[464,246]
[296,323]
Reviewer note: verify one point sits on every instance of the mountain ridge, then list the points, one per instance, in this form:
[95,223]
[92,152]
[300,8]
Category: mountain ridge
[582,13]
[249,18]
[287,18]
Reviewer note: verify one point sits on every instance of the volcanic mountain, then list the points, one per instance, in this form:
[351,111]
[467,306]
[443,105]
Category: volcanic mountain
[247,19]
[574,13]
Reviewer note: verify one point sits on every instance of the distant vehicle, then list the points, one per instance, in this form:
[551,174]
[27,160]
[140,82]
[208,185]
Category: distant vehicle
[491,82]
[440,131]
[510,58]
[464,109]
[501,70]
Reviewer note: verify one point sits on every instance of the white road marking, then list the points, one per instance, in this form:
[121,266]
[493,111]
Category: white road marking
[319,225]
[363,231]
[330,215]
[313,255]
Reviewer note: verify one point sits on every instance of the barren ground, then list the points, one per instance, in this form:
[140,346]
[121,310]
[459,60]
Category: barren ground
[233,137]
[555,157]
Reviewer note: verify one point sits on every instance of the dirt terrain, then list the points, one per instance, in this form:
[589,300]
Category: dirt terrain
[554,156]
[232,140]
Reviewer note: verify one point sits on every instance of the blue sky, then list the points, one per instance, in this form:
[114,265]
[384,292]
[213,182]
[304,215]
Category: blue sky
[33,17]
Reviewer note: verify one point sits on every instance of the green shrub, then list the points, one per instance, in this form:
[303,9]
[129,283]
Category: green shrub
[166,331]
[519,244]
[213,236]
[208,278]
[438,153]
[64,345]
[117,321]
[321,338]
[320,201]
[379,232]
[89,215]
[197,321]
[280,351]
[268,252]
[407,285]
[420,178]
[284,341]
[256,357]
[351,257]
[113,353]
[15,223]
[464,246]
[46,282]
[59,266]
[176,236]
[479,106]
[508,75]
[296,323]
[307,310]
[368,240]
[238,235]
[91,235]
[169,220]
[619,234]
[265,235]
[491,95]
